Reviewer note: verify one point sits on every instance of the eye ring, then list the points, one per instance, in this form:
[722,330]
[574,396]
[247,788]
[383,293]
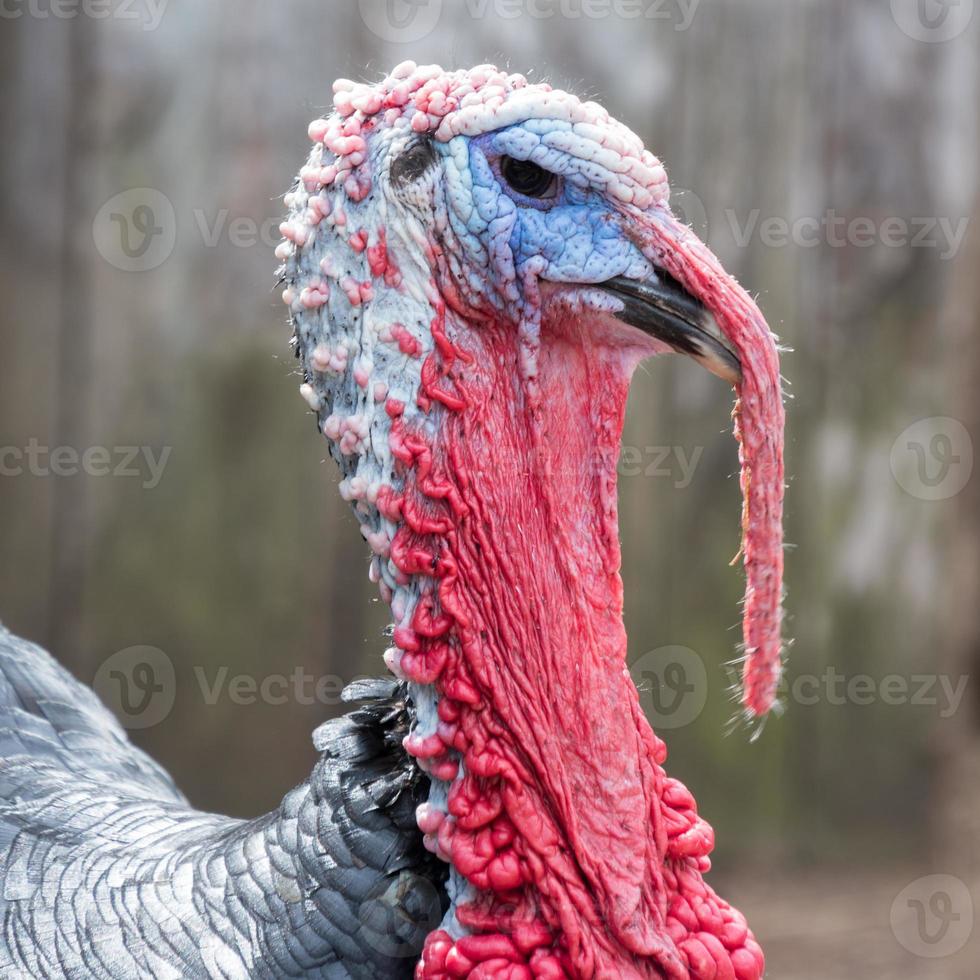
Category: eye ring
[527,178]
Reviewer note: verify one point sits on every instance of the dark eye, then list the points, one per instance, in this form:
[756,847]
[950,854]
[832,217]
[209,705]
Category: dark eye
[412,163]
[528,178]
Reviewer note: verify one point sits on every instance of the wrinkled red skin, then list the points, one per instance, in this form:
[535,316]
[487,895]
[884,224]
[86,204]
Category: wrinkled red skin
[759,422]
[586,857]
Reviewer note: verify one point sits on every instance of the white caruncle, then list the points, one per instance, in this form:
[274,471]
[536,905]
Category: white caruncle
[353,366]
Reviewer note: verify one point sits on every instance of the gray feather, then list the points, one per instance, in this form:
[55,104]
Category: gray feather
[107,872]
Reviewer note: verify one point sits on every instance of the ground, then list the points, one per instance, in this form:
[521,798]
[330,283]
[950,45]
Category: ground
[836,926]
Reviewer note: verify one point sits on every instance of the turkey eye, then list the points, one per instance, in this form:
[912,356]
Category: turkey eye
[527,178]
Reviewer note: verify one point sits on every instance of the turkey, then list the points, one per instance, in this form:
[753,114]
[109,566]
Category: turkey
[473,267]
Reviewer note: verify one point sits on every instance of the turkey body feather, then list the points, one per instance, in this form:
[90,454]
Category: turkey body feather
[106,871]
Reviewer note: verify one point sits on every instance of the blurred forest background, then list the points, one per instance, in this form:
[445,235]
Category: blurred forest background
[826,150]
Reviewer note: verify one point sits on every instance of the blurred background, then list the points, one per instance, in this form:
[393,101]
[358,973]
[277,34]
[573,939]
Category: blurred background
[165,499]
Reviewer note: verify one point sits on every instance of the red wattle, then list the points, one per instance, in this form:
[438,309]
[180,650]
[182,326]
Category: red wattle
[759,422]
[586,858]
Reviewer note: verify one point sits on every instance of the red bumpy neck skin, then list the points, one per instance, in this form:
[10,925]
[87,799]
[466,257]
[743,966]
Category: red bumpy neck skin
[585,858]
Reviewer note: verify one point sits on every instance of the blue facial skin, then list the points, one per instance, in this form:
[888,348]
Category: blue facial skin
[572,235]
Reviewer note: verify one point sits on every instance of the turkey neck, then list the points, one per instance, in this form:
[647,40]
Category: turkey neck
[553,805]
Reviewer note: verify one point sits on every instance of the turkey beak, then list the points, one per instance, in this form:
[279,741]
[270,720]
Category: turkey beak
[662,308]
